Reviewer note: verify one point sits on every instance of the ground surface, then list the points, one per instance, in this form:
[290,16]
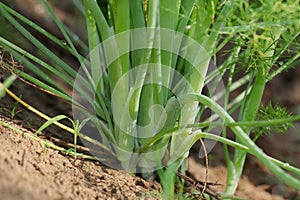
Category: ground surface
[29,172]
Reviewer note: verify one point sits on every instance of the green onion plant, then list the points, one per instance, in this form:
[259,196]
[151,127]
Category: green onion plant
[139,90]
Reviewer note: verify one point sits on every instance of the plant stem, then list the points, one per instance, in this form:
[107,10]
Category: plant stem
[251,106]
[246,140]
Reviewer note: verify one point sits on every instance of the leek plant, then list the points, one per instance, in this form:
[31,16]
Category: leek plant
[146,62]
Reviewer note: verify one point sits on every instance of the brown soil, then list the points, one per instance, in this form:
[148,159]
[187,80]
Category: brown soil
[29,172]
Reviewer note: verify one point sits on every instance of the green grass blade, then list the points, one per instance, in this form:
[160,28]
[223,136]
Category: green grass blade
[44,86]
[40,29]
[59,63]
[94,41]
[20,52]
[96,67]
[8,82]
[102,25]
[138,21]
[148,94]
[62,28]
[169,15]
[50,122]
[66,36]
[58,91]
[186,10]
[137,14]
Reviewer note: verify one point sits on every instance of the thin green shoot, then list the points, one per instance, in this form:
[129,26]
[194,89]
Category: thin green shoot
[8,82]
[13,111]
[44,142]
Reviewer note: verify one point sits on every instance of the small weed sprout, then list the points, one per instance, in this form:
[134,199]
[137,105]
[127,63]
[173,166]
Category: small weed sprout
[13,111]
[76,127]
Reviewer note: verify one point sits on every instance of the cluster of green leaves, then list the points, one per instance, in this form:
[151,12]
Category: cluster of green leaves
[272,112]
[138,117]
